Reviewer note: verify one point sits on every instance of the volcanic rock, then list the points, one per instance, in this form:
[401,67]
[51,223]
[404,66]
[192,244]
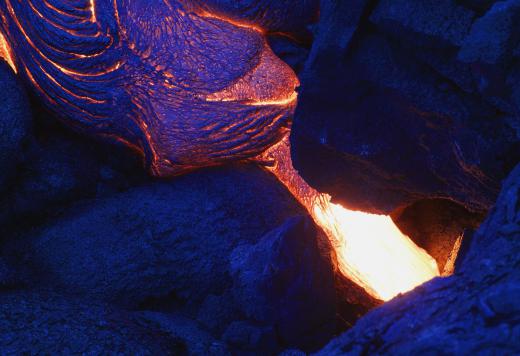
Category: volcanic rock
[14,124]
[285,283]
[243,335]
[481,6]
[196,340]
[382,123]
[57,171]
[339,21]
[44,323]
[436,226]
[494,36]
[473,311]
[60,168]
[289,16]
[429,23]
[157,239]
[489,49]
[293,53]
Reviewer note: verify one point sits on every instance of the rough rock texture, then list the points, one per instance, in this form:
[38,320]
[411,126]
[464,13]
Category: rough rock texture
[14,124]
[395,107]
[196,341]
[284,282]
[222,260]
[185,87]
[293,53]
[289,16]
[338,23]
[479,6]
[429,22]
[60,168]
[489,49]
[475,311]
[159,238]
[45,323]
[436,225]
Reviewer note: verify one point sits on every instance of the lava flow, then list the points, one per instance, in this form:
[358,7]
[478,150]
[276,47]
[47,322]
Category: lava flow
[5,52]
[370,249]
[185,100]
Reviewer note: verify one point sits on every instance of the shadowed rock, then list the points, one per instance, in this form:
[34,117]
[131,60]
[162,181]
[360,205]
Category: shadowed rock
[284,283]
[392,116]
[432,22]
[15,119]
[473,311]
[289,16]
[157,239]
[45,323]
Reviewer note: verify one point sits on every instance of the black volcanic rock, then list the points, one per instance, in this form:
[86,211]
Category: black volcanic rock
[60,168]
[475,311]
[14,123]
[45,323]
[338,23]
[436,23]
[480,6]
[436,225]
[293,53]
[494,36]
[290,16]
[157,239]
[489,49]
[196,340]
[393,116]
[284,283]
[57,171]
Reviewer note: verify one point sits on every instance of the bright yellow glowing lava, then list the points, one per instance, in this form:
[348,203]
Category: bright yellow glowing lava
[373,252]
[5,52]
[370,249]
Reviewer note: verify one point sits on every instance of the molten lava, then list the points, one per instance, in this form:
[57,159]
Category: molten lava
[190,89]
[5,52]
[370,249]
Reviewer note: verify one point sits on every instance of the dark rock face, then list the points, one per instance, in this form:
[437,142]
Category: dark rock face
[160,238]
[474,311]
[289,16]
[393,107]
[284,282]
[60,168]
[195,340]
[55,172]
[425,23]
[222,260]
[436,225]
[45,323]
[14,124]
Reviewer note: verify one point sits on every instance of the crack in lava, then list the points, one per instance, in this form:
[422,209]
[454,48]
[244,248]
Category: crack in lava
[370,249]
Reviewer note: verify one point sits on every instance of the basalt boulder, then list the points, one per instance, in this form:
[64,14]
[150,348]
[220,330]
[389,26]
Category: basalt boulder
[14,124]
[284,285]
[46,323]
[288,16]
[160,242]
[393,115]
[474,311]
[60,168]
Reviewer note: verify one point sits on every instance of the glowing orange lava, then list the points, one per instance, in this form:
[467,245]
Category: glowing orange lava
[5,52]
[370,249]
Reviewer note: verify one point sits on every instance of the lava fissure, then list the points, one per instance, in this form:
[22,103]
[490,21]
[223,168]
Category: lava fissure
[370,249]
[189,89]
